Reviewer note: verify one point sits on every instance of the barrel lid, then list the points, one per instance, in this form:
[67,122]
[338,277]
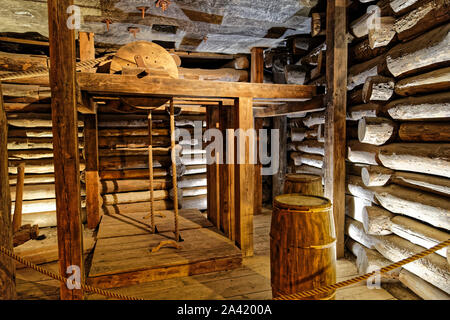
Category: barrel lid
[302,177]
[300,202]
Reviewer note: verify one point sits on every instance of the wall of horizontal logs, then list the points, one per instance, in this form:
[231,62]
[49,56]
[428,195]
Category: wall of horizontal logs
[398,151]
[398,136]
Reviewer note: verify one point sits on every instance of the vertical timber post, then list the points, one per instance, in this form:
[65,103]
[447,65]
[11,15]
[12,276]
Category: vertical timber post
[244,175]
[280,124]
[226,172]
[87,52]
[7,265]
[335,126]
[65,142]
[257,76]
[212,173]
[92,177]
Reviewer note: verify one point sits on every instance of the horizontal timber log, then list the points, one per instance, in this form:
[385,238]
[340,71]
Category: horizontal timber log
[436,80]
[423,18]
[354,207]
[224,74]
[368,110]
[358,152]
[113,84]
[308,146]
[132,174]
[424,131]
[424,206]
[377,221]
[419,233]
[314,118]
[376,131]
[143,207]
[422,288]
[433,106]
[32,120]
[433,268]
[313,105]
[369,260]
[435,184]
[132,197]
[355,230]
[429,158]
[114,186]
[378,88]
[425,52]
[35,166]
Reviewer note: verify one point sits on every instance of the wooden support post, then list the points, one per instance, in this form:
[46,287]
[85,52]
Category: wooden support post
[257,76]
[93,201]
[65,143]
[7,266]
[212,171]
[87,52]
[174,169]
[280,124]
[17,218]
[244,175]
[335,115]
[150,172]
[226,173]
[87,47]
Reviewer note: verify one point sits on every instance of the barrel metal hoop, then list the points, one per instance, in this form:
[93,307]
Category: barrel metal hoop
[312,210]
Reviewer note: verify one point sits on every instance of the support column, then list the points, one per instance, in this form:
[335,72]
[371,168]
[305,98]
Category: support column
[335,126]
[7,266]
[65,143]
[257,76]
[226,173]
[93,201]
[87,52]
[212,172]
[280,124]
[244,175]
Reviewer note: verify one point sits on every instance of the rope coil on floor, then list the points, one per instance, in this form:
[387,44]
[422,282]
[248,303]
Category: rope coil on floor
[294,296]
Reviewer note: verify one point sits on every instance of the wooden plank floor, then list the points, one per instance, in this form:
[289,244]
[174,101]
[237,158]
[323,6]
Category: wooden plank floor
[123,256]
[250,281]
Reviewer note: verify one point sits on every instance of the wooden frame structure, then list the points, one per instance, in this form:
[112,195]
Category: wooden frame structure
[235,182]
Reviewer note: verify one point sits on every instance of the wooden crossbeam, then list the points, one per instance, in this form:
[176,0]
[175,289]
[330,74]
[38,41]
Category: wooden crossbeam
[313,105]
[167,87]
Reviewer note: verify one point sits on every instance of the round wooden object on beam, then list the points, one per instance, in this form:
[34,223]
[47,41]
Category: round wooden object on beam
[307,184]
[155,58]
[302,245]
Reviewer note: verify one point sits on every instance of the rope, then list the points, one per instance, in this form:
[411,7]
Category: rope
[43,71]
[84,287]
[346,283]
[294,296]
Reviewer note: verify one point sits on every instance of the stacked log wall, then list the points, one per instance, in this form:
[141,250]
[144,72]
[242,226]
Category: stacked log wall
[398,146]
[30,142]
[123,162]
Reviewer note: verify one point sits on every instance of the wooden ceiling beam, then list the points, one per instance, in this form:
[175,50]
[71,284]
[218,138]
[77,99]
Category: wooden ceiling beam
[166,87]
[313,105]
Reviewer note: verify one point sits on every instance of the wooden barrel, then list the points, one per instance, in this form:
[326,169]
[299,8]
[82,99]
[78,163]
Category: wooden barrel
[302,245]
[304,183]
